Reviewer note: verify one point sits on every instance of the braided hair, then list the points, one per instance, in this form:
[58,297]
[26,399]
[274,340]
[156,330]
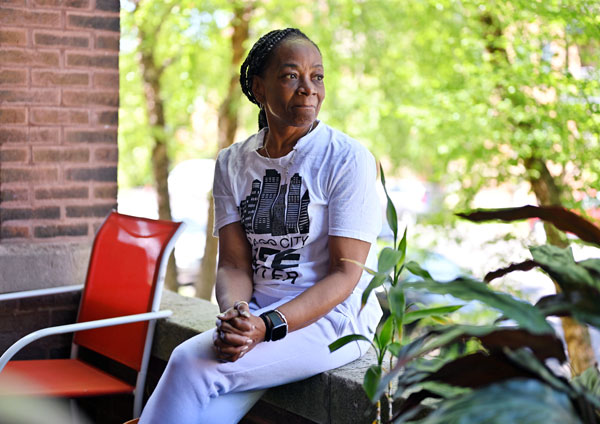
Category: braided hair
[257,60]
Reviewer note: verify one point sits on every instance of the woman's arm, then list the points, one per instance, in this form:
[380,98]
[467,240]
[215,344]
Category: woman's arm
[239,334]
[326,294]
[234,270]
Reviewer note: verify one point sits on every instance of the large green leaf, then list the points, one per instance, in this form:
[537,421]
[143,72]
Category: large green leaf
[376,281]
[586,400]
[397,303]
[371,381]
[481,369]
[589,380]
[402,243]
[432,340]
[390,210]
[561,266]
[413,316]
[581,306]
[592,266]
[526,315]
[388,259]
[394,348]
[416,269]
[561,218]
[343,341]
[386,333]
[510,402]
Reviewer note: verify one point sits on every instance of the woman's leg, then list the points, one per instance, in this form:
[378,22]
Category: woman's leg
[194,378]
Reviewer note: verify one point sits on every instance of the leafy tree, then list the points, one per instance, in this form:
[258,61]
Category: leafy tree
[161,77]
[479,93]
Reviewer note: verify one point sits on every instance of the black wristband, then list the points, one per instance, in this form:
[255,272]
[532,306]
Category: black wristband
[276,325]
[268,326]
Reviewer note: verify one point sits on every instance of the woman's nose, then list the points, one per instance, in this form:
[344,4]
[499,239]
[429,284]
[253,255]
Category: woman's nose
[306,86]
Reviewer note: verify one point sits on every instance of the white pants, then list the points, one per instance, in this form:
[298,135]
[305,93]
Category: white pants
[196,388]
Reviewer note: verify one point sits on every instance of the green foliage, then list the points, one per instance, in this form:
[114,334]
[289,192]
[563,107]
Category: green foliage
[508,356]
[464,288]
[509,402]
[390,334]
[589,381]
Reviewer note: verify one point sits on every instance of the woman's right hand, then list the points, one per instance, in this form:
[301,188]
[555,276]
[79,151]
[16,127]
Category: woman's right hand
[238,331]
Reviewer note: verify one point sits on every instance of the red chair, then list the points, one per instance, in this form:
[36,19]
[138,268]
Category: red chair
[117,314]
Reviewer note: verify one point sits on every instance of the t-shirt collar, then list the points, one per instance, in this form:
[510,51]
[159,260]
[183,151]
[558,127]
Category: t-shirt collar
[301,144]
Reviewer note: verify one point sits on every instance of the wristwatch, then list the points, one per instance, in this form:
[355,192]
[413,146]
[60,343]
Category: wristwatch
[276,325]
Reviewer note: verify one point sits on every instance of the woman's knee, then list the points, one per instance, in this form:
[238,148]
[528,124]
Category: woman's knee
[192,352]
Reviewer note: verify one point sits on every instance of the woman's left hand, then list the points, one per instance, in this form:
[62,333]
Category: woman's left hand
[238,331]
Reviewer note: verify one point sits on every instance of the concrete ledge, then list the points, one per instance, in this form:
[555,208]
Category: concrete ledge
[334,397]
[28,266]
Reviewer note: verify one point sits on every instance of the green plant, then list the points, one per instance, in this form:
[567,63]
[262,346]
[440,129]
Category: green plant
[390,336]
[508,379]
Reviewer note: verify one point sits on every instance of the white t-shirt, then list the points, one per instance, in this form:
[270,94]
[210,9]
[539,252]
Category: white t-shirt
[289,206]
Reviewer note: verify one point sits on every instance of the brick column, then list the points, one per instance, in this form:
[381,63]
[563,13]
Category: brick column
[59,97]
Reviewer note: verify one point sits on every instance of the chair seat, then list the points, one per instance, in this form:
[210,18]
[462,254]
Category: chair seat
[60,378]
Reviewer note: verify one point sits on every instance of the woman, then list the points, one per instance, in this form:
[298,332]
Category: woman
[291,202]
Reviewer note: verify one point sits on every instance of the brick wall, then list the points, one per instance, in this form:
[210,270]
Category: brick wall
[59,96]
[20,317]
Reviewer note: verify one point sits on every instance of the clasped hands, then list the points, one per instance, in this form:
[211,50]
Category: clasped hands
[238,331]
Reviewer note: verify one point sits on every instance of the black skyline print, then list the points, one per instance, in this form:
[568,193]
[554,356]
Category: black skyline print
[265,210]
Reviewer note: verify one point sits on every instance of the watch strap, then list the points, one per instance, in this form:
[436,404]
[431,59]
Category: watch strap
[275,324]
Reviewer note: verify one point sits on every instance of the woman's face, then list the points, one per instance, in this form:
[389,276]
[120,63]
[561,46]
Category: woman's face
[292,87]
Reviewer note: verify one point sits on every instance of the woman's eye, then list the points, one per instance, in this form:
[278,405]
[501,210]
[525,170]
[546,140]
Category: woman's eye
[319,77]
[291,76]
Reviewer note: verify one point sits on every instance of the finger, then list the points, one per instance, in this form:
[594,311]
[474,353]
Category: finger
[228,314]
[229,327]
[229,353]
[243,308]
[242,325]
[233,339]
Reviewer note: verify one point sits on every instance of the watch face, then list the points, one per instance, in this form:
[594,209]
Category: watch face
[279,329]
[279,332]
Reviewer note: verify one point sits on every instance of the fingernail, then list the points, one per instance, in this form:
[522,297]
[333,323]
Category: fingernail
[218,323]
[221,335]
[221,316]
[244,348]
[249,341]
[242,354]
[245,314]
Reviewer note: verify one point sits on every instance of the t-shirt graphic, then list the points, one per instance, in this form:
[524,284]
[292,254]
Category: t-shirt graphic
[265,210]
[276,222]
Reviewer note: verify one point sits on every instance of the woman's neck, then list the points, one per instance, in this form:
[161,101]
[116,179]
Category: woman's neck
[279,143]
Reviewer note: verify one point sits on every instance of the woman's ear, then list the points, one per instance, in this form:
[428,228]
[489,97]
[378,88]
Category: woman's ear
[258,89]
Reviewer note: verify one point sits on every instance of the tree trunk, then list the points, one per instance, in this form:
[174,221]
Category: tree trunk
[577,336]
[151,74]
[228,123]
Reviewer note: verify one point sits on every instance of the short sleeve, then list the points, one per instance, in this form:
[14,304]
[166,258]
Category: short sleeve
[354,208]
[226,211]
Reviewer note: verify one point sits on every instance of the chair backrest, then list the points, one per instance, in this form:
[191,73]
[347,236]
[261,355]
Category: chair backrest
[125,276]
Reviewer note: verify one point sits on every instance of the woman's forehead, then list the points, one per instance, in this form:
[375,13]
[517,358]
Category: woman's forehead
[296,50]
